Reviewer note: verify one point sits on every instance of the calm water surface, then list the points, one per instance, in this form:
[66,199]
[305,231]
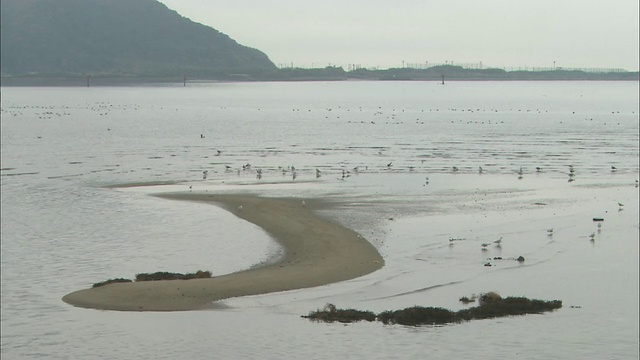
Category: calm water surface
[64,227]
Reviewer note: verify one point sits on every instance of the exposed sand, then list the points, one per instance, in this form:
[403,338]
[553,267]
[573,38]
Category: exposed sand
[317,252]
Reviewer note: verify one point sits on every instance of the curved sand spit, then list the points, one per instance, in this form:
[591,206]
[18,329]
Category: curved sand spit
[317,252]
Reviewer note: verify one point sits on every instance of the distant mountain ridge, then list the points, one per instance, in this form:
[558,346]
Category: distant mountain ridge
[116,37]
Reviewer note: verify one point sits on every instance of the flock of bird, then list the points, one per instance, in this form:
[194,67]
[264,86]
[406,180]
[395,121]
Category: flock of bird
[346,173]
[550,232]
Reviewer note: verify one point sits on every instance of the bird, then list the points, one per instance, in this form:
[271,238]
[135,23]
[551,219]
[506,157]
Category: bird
[538,169]
[613,168]
[593,235]
[204,174]
[390,164]
[304,203]
[480,170]
[550,232]
[499,241]
[620,204]
[240,208]
[218,152]
[455,168]
[520,172]
[190,187]
[484,246]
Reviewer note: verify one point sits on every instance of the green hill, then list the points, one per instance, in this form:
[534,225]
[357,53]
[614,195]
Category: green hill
[116,37]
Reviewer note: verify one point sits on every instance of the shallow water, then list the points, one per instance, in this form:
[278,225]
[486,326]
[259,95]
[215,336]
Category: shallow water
[63,230]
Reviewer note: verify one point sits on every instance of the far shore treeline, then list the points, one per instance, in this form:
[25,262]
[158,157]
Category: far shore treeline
[129,42]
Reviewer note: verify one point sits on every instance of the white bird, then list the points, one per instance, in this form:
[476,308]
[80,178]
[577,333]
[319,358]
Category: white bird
[499,241]
[304,203]
[240,208]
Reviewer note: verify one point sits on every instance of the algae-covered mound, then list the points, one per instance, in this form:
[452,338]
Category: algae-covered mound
[110,281]
[160,275]
[491,305]
[418,315]
[163,275]
[331,314]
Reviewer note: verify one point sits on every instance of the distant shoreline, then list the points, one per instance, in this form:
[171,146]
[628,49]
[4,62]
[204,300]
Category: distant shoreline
[310,75]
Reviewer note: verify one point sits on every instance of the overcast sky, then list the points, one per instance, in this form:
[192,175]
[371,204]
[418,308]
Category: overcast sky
[377,33]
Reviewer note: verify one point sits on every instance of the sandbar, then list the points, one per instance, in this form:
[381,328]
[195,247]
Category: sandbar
[316,252]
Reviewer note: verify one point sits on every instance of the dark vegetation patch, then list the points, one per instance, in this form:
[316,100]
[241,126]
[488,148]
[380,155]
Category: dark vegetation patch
[491,305]
[111,281]
[160,275]
[331,314]
[163,275]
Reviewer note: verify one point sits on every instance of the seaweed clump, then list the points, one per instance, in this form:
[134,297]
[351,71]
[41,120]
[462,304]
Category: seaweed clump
[163,275]
[491,305]
[110,281]
[331,314]
[160,275]
[418,315]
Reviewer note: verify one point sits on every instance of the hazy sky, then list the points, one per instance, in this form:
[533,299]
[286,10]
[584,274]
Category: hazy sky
[376,33]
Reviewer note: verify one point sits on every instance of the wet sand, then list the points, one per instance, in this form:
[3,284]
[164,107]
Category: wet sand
[317,252]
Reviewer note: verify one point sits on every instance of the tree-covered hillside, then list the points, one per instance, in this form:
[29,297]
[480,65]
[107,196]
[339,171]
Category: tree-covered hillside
[116,37]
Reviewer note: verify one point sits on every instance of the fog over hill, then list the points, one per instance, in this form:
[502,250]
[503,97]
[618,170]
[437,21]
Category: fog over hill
[116,37]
